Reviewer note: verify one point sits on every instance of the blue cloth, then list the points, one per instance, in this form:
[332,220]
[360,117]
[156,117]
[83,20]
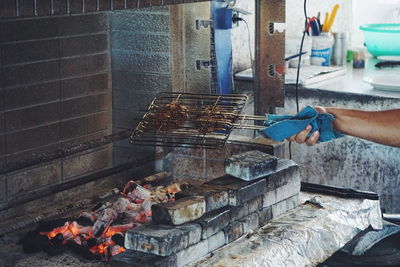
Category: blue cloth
[281,127]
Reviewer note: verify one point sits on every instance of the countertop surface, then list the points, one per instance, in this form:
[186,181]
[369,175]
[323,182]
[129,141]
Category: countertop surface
[349,83]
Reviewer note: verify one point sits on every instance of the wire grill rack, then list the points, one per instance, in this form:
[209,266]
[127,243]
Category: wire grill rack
[191,120]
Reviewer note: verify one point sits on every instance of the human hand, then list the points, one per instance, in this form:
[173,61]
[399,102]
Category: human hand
[302,136]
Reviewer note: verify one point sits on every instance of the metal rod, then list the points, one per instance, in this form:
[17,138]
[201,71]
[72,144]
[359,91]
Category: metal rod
[56,188]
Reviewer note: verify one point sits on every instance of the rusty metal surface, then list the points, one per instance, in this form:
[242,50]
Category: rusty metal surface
[270,52]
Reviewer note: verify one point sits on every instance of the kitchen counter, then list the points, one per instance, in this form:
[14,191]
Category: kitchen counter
[350,84]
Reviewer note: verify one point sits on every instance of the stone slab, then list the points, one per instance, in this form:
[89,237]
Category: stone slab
[286,171]
[264,215]
[216,241]
[250,165]
[180,211]
[192,253]
[285,205]
[250,222]
[139,259]
[162,240]
[215,196]
[234,231]
[214,221]
[240,191]
[288,190]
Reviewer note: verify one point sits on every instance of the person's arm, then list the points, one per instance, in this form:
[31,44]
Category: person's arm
[382,127]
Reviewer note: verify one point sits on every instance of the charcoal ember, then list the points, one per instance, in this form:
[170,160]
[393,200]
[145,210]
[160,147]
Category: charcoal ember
[123,205]
[129,187]
[55,250]
[81,251]
[58,239]
[92,242]
[34,242]
[84,221]
[118,239]
[120,228]
[87,218]
[116,249]
[47,226]
[147,207]
[139,194]
[97,206]
[132,216]
[104,221]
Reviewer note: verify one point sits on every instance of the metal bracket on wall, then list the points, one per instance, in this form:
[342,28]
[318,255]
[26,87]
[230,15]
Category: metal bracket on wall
[203,64]
[269,82]
[202,23]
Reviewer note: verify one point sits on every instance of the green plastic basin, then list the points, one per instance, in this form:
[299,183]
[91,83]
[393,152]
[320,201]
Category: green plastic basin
[382,39]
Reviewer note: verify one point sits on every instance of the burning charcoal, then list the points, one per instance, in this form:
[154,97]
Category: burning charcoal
[86,218]
[104,221]
[129,187]
[92,242]
[147,207]
[55,249]
[116,249]
[123,205]
[34,242]
[139,193]
[47,226]
[98,206]
[81,251]
[118,239]
[58,239]
[107,253]
[119,229]
[84,221]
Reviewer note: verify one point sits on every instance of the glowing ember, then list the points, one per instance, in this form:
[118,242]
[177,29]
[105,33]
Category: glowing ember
[131,209]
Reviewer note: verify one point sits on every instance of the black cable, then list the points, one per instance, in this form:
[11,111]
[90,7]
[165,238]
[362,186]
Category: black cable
[298,67]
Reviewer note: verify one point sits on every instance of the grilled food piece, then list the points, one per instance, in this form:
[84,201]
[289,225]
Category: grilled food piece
[170,116]
[213,118]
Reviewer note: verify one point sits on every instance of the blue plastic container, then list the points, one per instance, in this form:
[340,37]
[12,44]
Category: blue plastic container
[382,39]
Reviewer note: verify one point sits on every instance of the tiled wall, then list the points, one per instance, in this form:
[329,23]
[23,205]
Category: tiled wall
[140,52]
[55,90]
[30,8]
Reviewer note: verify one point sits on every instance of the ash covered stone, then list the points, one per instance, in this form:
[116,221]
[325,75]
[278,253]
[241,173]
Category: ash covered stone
[178,212]
[234,231]
[214,221]
[250,165]
[162,240]
[240,191]
[140,259]
[215,196]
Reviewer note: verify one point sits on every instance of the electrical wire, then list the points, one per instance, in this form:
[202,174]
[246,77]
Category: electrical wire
[249,42]
[298,67]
